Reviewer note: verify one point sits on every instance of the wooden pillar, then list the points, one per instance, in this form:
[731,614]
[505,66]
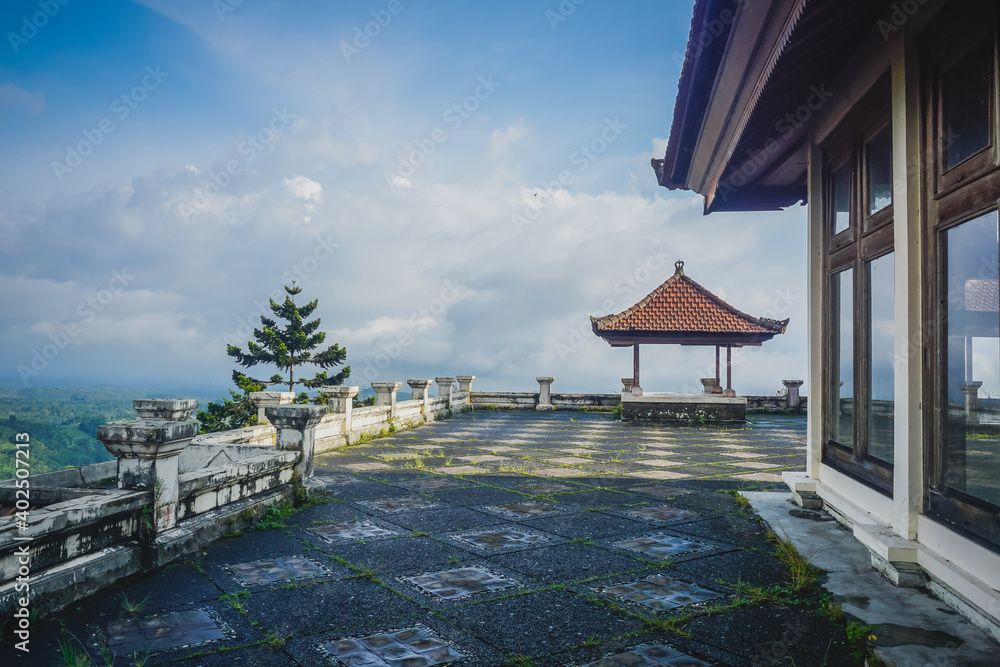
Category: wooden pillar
[635,365]
[717,377]
[729,368]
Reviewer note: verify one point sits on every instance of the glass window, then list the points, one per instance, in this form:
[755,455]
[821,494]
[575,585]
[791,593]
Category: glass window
[878,154]
[883,358]
[843,363]
[841,187]
[966,101]
[972,425]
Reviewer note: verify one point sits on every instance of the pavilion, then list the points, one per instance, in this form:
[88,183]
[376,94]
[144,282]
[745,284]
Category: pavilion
[682,312]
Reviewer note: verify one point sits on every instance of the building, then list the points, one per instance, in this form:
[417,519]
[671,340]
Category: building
[882,118]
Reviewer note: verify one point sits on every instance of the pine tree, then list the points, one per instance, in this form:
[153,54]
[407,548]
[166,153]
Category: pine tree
[291,346]
[237,411]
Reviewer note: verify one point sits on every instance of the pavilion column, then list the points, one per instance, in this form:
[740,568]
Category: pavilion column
[729,372]
[636,387]
[718,378]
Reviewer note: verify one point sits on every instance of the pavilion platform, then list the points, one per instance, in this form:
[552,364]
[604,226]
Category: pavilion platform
[678,407]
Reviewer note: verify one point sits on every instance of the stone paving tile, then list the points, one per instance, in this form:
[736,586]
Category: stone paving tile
[181,629]
[559,472]
[661,593]
[436,484]
[661,545]
[500,538]
[526,509]
[459,470]
[399,504]
[483,458]
[658,474]
[760,477]
[662,513]
[546,488]
[731,529]
[568,460]
[366,466]
[277,570]
[654,655]
[352,531]
[751,567]
[459,582]
[659,463]
[409,647]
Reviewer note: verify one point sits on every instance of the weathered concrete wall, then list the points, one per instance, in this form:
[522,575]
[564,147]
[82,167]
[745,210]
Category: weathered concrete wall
[530,401]
[684,408]
[774,404]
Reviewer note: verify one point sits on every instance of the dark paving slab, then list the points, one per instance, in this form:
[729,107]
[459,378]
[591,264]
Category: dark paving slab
[773,635]
[540,623]
[734,530]
[406,553]
[450,586]
[750,567]
[261,655]
[596,499]
[335,511]
[587,525]
[322,607]
[483,495]
[565,563]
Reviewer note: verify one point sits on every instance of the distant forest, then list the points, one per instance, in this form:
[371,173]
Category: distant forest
[62,423]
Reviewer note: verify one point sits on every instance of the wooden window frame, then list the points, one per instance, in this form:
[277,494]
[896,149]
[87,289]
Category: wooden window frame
[868,237]
[953,197]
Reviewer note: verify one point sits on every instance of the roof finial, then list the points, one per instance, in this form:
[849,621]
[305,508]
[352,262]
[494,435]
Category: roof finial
[679,267]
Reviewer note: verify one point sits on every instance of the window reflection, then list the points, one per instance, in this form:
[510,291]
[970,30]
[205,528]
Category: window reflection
[966,96]
[841,198]
[972,435]
[883,377]
[843,363]
[879,168]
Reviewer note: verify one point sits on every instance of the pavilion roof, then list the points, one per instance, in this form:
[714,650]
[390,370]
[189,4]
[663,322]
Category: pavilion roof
[682,311]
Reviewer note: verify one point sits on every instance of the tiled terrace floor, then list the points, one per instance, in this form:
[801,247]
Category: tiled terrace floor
[492,538]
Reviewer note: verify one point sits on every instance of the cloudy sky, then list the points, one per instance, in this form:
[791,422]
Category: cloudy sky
[461,185]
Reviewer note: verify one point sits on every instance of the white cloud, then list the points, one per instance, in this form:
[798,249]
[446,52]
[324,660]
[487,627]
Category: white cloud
[502,139]
[16,97]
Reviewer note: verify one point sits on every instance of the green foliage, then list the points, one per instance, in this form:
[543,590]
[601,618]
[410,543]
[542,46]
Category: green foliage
[617,411]
[274,516]
[62,423]
[365,402]
[292,345]
[237,411]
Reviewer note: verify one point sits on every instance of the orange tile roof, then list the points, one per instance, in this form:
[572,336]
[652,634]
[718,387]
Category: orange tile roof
[682,306]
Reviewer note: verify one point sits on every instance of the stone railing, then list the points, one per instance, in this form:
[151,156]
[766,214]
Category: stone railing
[541,400]
[168,493]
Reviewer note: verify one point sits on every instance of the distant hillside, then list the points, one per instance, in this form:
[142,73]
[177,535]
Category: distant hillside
[62,423]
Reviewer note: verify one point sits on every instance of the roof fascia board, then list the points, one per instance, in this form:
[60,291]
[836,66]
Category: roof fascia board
[756,41]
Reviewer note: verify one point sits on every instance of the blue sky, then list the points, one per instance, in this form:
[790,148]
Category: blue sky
[460,188]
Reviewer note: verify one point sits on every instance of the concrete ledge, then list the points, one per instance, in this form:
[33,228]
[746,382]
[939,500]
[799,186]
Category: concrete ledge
[708,408]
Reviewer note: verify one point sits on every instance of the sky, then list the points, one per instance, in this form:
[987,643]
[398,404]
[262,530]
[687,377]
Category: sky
[460,185]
